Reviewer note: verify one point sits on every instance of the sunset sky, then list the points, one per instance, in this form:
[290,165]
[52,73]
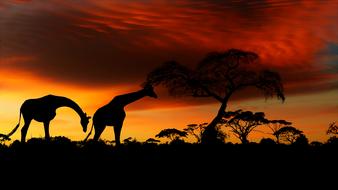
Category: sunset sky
[93,50]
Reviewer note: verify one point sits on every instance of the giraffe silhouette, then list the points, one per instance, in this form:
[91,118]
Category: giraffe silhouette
[44,110]
[113,113]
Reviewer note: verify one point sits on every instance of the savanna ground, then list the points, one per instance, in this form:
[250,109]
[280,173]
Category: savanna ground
[62,161]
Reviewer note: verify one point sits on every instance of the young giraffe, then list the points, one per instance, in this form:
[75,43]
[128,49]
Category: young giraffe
[113,113]
[44,110]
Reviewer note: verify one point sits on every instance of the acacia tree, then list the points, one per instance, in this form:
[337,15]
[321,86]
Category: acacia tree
[289,134]
[217,76]
[275,125]
[197,130]
[242,123]
[172,134]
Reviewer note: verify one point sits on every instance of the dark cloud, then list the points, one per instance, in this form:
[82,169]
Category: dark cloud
[65,49]
[101,43]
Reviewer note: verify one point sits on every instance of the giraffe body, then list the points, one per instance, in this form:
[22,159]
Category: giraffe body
[110,115]
[40,109]
[44,110]
[113,114]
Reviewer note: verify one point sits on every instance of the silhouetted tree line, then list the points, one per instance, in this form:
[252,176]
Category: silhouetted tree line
[242,123]
[292,145]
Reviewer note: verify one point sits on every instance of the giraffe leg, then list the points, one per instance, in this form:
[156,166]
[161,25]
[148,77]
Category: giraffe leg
[117,131]
[25,129]
[46,125]
[99,128]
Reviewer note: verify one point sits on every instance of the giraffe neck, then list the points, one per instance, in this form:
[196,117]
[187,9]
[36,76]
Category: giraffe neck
[126,99]
[65,102]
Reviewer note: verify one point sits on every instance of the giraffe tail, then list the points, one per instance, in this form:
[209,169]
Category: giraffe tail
[90,132]
[16,127]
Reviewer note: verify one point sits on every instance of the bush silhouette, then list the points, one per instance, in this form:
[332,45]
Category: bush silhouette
[267,141]
[316,144]
[333,141]
[301,140]
[152,141]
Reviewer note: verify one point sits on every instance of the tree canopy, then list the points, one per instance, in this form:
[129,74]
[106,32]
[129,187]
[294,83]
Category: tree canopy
[217,76]
[172,134]
[288,134]
[242,123]
[275,125]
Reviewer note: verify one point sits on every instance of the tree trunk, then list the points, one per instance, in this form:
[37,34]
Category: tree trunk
[244,140]
[277,139]
[210,133]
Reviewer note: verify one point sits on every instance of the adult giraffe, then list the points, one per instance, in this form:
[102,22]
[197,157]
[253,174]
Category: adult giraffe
[44,110]
[113,113]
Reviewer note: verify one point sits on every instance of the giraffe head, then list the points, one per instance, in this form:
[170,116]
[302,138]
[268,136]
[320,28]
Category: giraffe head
[85,121]
[149,90]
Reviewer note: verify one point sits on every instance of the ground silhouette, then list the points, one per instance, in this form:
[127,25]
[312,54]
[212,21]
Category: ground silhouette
[44,110]
[61,159]
[113,113]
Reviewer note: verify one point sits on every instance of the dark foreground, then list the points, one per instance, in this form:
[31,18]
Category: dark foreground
[62,161]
